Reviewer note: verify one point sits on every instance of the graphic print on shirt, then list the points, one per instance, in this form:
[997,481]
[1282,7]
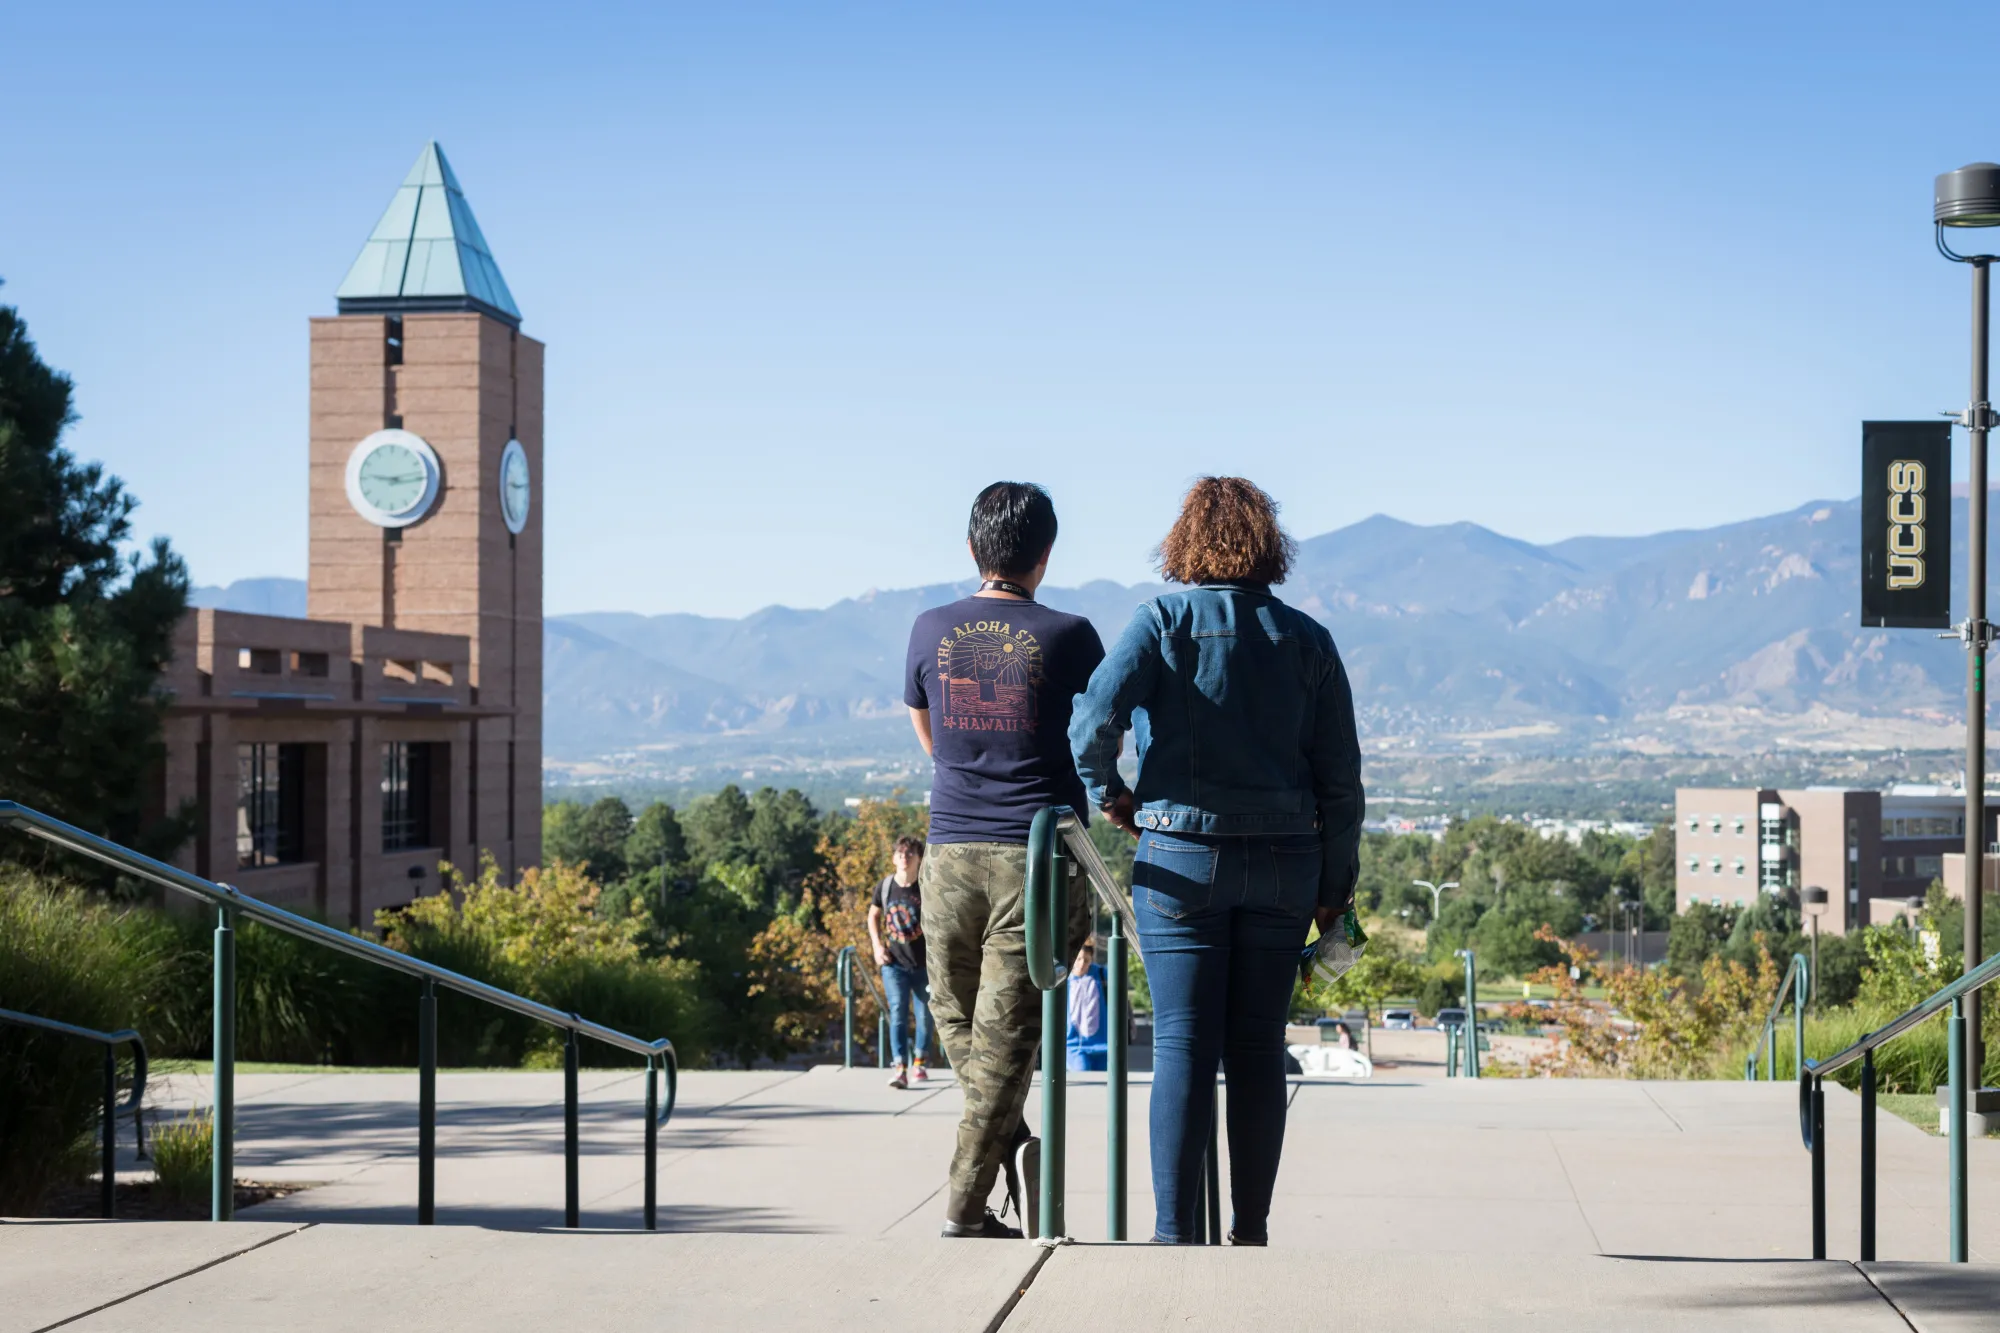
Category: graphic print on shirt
[993,676]
[905,925]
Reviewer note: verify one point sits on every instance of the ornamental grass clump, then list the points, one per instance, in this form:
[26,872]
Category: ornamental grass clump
[184,1157]
[62,957]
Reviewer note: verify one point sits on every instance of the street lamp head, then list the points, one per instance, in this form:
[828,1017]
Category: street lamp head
[1968,197]
[1815,896]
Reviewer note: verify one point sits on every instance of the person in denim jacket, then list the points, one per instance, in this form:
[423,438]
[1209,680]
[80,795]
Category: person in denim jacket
[1248,811]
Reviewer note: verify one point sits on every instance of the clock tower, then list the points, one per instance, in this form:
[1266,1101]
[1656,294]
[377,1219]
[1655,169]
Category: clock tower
[426,512]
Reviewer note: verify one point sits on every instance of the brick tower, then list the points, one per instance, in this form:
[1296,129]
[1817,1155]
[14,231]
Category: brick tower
[425,512]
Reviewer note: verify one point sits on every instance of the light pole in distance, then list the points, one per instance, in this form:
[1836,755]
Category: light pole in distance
[1437,891]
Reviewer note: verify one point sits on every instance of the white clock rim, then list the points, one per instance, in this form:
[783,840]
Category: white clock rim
[515,449]
[433,472]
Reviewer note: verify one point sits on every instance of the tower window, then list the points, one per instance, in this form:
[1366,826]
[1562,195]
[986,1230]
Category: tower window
[406,795]
[270,804]
[260,661]
[309,664]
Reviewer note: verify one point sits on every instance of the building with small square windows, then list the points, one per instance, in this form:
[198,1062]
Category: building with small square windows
[333,761]
[1733,843]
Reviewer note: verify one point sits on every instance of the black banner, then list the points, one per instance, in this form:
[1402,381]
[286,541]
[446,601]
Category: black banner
[1906,524]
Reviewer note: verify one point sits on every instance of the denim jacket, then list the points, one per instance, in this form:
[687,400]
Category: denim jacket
[1244,723]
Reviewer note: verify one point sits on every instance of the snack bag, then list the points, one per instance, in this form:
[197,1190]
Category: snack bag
[1340,948]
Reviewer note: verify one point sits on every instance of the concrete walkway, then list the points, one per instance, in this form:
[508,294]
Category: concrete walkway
[184,1277]
[1575,1167]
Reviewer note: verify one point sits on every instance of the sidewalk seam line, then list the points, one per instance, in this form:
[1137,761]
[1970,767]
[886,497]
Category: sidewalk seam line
[169,1281]
[711,1110]
[1573,1196]
[1007,1310]
[1887,1299]
[1678,1126]
[913,1210]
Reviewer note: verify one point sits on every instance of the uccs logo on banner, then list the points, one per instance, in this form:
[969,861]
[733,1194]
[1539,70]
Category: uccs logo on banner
[1906,524]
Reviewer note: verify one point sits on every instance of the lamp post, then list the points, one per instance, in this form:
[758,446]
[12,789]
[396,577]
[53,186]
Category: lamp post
[1970,197]
[1437,890]
[1815,903]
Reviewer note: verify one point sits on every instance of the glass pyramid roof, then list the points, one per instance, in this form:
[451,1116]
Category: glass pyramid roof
[427,252]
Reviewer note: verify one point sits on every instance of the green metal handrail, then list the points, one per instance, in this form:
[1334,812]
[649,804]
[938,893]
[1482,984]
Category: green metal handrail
[1812,1109]
[844,968]
[108,1142]
[231,903]
[1060,850]
[1797,984]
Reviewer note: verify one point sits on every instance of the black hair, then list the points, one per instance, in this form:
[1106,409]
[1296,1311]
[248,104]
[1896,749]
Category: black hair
[1013,526]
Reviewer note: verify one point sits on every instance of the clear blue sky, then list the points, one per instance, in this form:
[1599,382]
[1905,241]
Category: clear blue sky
[812,274]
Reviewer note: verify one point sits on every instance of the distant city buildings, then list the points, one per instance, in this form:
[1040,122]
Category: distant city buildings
[1871,851]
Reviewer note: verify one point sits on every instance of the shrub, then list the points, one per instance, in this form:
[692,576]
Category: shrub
[184,1157]
[543,938]
[60,958]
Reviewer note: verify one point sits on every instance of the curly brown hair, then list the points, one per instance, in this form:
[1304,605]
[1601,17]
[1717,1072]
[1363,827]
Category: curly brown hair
[1227,533]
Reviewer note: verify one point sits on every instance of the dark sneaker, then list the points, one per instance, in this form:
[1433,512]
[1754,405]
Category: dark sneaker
[1235,1239]
[988,1227]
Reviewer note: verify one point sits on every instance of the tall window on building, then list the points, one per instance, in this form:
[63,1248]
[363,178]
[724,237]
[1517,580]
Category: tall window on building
[270,804]
[406,796]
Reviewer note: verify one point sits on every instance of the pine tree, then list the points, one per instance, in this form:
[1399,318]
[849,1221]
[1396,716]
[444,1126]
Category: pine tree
[85,627]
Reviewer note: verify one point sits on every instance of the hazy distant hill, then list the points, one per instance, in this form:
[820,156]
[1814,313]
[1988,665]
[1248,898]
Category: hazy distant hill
[1449,623]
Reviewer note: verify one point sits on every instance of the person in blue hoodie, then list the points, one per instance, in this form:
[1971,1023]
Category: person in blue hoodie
[1088,1046]
[1247,807]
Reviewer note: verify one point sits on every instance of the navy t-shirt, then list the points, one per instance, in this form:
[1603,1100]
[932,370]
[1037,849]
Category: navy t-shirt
[999,677]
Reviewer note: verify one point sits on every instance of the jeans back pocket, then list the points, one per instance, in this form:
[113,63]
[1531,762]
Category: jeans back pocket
[1177,875]
[1295,871]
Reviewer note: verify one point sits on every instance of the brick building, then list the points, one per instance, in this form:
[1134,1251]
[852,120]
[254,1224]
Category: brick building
[1860,846]
[334,761]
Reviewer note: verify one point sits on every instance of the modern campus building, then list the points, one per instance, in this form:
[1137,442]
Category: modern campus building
[333,761]
[1871,851]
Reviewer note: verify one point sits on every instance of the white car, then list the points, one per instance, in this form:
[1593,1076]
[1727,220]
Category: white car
[1398,1020]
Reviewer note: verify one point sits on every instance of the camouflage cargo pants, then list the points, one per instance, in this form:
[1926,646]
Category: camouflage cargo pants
[988,1014]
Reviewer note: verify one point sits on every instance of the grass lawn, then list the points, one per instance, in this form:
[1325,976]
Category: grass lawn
[1919,1108]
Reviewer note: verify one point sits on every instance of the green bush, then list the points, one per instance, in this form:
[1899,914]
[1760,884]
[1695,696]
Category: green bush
[60,958]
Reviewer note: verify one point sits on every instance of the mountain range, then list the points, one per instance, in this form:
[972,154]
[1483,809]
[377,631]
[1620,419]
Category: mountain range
[1443,628]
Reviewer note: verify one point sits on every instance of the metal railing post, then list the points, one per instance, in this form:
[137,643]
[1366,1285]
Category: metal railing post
[222,1170]
[1471,1018]
[1955,1039]
[108,1191]
[1800,992]
[571,1203]
[427,1091]
[1046,905]
[1118,1021]
[652,1143]
[1868,1157]
[845,969]
[1451,1052]
[1819,1168]
[1770,1050]
[1212,1171]
[882,1041]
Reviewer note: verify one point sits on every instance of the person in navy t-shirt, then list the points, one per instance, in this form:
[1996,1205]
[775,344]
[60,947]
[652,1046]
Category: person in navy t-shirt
[990,681]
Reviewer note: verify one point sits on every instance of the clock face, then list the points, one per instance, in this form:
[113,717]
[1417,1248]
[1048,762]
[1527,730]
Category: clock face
[392,478]
[514,486]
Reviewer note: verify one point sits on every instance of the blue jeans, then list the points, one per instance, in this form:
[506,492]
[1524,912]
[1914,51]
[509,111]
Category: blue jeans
[905,988]
[1221,924]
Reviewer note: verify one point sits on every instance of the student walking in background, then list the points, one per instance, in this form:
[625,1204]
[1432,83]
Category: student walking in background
[1247,808]
[990,681]
[896,929]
